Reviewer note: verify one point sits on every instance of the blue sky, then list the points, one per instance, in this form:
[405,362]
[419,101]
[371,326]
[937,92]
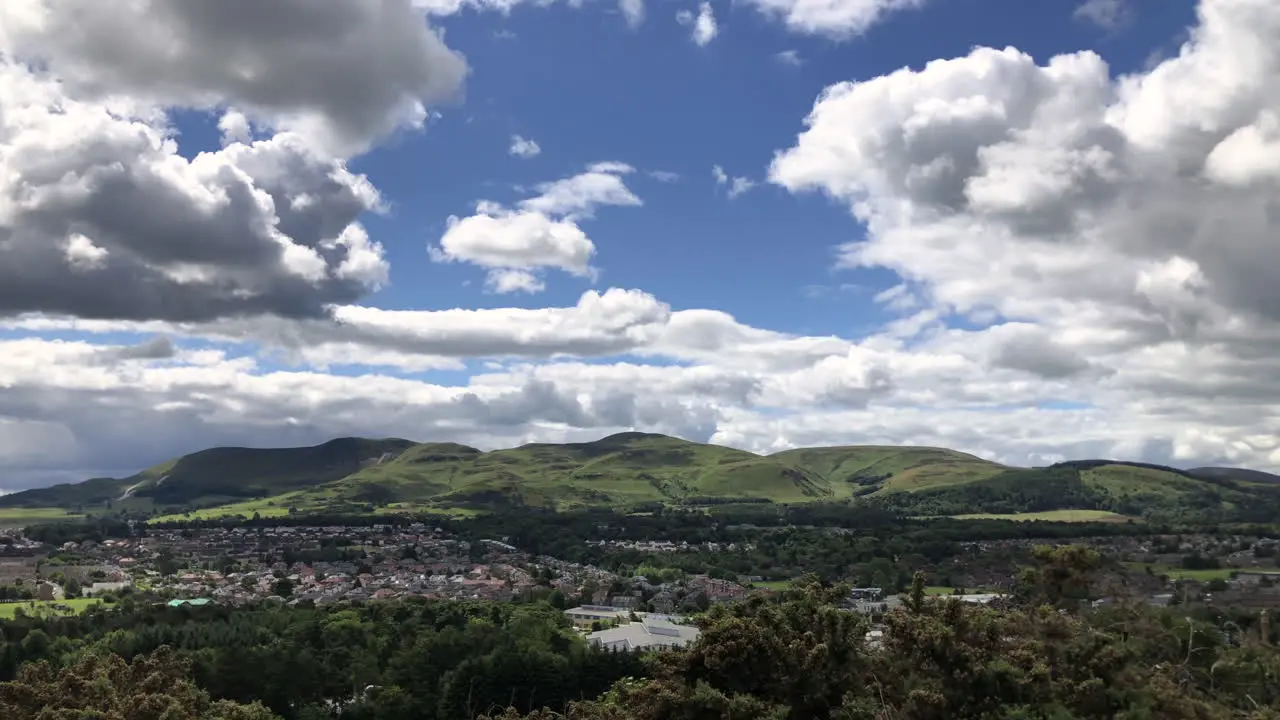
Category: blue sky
[987,238]
[587,88]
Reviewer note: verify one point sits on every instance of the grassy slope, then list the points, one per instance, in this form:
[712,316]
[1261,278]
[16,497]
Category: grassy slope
[628,468]
[1239,475]
[217,476]
[1145,486]
[24,516]
[618,471]
[903,468]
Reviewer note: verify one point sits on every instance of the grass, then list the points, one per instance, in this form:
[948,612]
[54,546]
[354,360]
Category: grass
[1176,573]
[908,468]
[774,584]
[23,516]
[623,470]
[1129,479]
[1050,516]
[47,608]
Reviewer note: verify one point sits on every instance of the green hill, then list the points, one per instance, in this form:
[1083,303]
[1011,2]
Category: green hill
[638,469]
[628,469]
[1238,475]
[216,476]
[1128,489]
[884,469]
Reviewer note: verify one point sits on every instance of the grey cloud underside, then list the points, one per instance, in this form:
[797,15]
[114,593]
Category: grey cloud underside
[353,70]
[158,348]
[152,229]
[601,324]
[1040,355]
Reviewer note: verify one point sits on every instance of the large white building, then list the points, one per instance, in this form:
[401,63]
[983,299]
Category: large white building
[649,633]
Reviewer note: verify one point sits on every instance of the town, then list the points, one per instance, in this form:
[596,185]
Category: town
[327,565]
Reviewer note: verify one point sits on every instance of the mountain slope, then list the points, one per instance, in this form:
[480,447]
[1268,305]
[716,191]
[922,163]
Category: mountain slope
[627,468]
[1238,475]
[884,468]
[218,476]
[634,469]
[1133,489]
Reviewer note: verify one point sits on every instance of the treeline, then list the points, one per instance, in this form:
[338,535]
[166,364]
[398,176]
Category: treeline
[95,529]
[385,661]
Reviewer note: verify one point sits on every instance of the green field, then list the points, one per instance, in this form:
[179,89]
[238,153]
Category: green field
[1050,516]
[45,607]
[1176,573]
[265,507]
[774,584]
[22,516]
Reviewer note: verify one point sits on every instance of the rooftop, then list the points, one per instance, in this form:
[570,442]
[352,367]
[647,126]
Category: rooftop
[646,634]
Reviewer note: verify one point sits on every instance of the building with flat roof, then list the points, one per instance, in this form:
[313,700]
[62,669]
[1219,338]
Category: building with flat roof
[585,616]
[648,634]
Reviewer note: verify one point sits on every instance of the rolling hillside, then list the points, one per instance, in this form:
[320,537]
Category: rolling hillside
[1125,489]
[1239,475]
[629,468]
[636,469]
[882,469]
[216,476]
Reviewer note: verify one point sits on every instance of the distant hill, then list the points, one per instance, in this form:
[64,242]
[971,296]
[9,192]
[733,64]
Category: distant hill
[1239,475]
[627,468]
[642,469]
[885,468]
[217,476]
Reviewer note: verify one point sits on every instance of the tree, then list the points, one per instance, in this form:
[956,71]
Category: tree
[1062,575]
[102,685]
[166,564]
[282,587]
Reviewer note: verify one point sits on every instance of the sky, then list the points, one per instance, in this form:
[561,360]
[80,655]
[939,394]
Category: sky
[1029,231]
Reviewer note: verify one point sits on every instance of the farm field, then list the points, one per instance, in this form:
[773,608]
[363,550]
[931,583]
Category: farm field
[1051,516]
[20,516]
[47,607]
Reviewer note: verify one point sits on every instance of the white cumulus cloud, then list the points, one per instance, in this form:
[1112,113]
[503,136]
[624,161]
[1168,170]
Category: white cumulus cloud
[541,232]
[703,28]
[523,147]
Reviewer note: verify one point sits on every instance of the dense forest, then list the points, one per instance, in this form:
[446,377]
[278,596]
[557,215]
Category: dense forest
[405,659]
[1047,652]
